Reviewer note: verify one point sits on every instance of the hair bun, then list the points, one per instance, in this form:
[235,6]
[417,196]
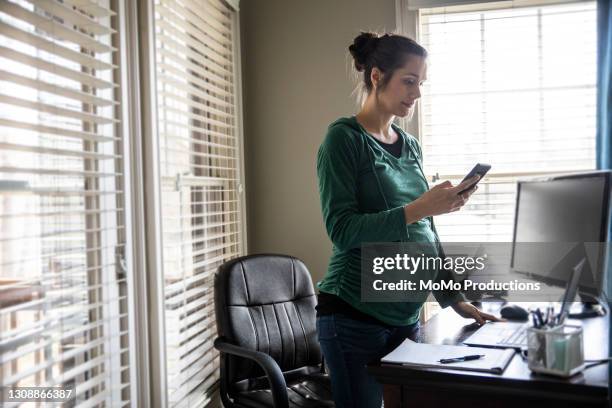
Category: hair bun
[361,49]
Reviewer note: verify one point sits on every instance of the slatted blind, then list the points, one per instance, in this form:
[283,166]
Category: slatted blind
[63,297]
[509,86]
[200,163]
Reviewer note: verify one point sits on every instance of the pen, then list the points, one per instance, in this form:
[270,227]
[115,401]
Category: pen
[540,317]
[536,320]
[459,359]
[550,312]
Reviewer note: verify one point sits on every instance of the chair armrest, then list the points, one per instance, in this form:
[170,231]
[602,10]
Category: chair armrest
[278,385]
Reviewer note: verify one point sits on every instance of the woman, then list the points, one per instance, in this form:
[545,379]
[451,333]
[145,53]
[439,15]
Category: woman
[372,189]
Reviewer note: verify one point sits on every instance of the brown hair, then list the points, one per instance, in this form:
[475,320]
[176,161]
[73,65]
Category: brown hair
[387,52]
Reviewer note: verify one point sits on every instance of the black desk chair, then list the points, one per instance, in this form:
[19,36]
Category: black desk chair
[270,356]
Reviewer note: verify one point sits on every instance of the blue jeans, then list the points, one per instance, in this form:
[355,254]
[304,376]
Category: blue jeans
[348,345]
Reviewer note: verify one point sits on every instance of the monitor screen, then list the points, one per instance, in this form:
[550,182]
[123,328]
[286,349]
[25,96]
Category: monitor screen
[566,214]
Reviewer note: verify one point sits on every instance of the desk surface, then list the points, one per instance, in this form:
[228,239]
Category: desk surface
[448,328]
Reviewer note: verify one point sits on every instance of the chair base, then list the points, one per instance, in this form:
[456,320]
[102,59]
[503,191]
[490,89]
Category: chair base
[311,390]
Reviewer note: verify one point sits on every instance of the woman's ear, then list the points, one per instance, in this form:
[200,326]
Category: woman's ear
[376,76]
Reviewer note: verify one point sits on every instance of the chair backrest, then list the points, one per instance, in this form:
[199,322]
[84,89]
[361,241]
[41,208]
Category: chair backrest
[267,303]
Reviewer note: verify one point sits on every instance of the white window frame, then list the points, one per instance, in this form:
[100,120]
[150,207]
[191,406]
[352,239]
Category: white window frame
[145,170]
[135,249]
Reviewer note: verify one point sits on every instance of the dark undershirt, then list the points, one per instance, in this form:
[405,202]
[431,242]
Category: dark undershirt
[394,148]
[328,304]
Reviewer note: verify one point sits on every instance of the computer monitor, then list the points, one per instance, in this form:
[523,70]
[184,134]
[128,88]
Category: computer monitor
[557,211]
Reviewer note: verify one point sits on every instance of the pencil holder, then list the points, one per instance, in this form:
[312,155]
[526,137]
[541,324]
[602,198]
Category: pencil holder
[557,351]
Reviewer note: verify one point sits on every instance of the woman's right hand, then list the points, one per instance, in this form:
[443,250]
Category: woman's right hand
[441,199]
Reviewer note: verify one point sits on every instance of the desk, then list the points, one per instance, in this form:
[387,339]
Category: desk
[517,387]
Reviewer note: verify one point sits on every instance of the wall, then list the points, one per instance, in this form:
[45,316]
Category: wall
[297,78]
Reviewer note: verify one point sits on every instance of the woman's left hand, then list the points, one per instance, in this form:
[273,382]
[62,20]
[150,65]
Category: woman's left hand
[467,310]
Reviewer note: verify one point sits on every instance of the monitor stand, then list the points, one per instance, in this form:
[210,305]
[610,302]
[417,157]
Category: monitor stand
[590,308]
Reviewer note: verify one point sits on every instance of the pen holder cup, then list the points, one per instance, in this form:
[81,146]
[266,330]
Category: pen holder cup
[556,351]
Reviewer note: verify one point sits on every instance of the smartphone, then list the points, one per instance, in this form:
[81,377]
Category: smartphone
[479,169]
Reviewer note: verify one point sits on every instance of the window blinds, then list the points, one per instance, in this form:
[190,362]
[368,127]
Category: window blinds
[199,167]
[513,87]
[63,295]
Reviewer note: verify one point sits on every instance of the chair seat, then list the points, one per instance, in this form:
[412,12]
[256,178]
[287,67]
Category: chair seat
[310,390]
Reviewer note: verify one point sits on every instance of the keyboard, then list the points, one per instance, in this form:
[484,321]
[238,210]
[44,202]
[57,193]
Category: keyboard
[500,334]
[517,337]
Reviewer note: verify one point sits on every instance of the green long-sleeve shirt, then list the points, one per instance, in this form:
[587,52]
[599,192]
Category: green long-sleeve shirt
[355,211]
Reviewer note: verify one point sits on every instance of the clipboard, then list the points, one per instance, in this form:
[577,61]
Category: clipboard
[413,354]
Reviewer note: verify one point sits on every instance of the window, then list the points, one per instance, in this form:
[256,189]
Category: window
[63,294]
[509,86]
[197,110]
